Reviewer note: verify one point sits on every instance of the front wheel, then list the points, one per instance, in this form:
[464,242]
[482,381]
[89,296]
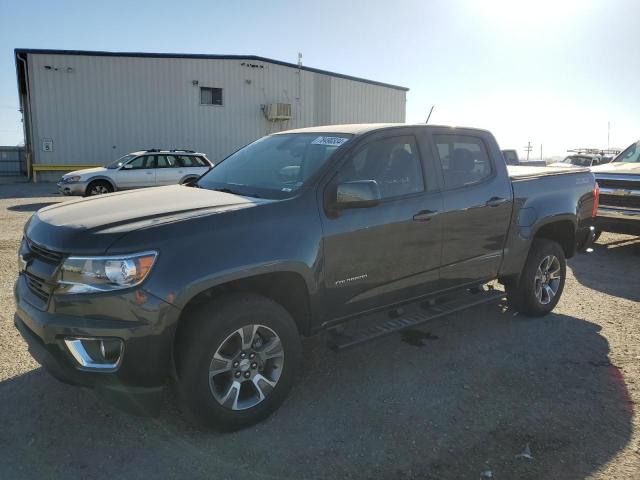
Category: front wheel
[98,187]
[541,281]
[237,360]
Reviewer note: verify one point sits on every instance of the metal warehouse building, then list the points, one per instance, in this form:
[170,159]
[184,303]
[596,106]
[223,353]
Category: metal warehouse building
[83,108]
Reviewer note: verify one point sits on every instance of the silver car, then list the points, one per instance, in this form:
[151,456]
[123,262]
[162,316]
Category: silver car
[146,168]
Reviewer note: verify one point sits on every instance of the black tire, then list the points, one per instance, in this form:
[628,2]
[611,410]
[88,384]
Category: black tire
[522,296]
[98,187]
[185,181]
[209,327]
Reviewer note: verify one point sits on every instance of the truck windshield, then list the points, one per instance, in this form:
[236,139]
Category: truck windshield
[631,154]
[274,166]
[121,161]
[577,160]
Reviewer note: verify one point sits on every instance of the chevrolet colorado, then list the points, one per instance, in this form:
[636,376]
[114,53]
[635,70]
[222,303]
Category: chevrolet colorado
[212,285]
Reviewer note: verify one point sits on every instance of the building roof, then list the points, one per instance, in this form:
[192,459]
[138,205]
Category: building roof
[202,57]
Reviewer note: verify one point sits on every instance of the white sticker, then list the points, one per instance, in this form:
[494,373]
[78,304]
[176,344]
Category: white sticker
[331,141]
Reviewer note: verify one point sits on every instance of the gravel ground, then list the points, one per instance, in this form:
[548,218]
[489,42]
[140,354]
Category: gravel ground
[473,394]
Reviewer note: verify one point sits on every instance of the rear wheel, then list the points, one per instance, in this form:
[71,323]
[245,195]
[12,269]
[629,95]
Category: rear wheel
[98,187]
[237,361]
[541,281]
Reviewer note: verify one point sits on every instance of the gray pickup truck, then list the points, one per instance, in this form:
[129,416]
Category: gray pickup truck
[361,230]
[619,183]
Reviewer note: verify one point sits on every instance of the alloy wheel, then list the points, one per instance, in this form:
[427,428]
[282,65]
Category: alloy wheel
[547,279]
[246,367]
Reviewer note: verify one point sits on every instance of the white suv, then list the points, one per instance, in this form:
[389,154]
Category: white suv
[146,168]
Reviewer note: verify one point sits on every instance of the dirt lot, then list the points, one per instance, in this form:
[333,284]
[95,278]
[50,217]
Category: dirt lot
[481,387]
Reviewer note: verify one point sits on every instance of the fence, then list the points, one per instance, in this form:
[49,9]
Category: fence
[12,161]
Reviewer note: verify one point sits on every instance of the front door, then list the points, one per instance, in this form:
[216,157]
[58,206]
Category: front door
[477,209]
[139,172]
[390,252]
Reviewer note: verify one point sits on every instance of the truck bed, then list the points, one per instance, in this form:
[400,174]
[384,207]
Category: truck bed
[520,172]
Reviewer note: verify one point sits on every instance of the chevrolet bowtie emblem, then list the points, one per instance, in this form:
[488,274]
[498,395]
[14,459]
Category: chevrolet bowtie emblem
[622,192]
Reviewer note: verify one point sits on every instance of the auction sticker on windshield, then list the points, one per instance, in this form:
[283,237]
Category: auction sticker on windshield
[332,141]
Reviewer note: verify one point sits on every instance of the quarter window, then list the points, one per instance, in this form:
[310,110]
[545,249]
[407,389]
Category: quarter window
[210,96]
[189,161]
[394,163]
[464,159]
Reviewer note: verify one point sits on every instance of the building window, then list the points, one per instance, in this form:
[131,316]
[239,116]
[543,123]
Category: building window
[210,96]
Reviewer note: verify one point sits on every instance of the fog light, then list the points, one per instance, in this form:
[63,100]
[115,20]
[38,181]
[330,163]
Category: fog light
[110,349]
[96,353]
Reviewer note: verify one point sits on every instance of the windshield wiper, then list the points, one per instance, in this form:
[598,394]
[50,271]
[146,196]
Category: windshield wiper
[228,190]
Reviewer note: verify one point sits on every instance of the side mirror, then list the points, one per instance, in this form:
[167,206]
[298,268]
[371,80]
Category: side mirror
[128,166]
[357,194]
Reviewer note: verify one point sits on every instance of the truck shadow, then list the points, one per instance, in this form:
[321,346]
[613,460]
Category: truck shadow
[484,385]
[612,267]
[30,207]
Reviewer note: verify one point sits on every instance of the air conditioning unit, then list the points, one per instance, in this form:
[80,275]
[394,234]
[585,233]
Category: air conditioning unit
[277,111]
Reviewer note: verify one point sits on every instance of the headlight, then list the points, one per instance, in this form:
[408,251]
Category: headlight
[75,178]
[103,274]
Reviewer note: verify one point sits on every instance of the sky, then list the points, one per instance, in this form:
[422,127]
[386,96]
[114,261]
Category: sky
[549,72]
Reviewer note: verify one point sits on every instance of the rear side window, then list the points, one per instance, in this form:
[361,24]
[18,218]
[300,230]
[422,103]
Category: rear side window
[394,163]
[464,159]
[166,161]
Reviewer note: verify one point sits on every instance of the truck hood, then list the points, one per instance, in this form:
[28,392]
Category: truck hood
[91,225]
[618,167]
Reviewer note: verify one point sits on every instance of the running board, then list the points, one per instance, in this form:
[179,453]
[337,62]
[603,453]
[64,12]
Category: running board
[381,324]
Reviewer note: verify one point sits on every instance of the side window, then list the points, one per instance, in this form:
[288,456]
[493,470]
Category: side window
[144,161]
[166,161]
[464,160]
[188,161]
[210,96]
[392,162]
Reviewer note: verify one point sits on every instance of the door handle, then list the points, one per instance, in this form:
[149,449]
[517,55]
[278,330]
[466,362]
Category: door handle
[149,173]
[495,201]
[425,215]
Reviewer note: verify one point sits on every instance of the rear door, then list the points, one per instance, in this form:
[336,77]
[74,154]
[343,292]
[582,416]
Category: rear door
[169,170]
[477,199]
[390,252]
[139,172]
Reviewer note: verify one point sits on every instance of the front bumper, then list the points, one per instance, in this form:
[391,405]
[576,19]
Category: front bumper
[618,220]
[73,188]
[145,323]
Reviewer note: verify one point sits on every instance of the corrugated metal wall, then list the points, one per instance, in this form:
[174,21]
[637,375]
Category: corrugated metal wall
[97,108]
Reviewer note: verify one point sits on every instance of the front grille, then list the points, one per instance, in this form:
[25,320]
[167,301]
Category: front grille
[625,184]
[37,286]
[45,254]
[631,201]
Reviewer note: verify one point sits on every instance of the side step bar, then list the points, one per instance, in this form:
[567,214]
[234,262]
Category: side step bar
[381,324]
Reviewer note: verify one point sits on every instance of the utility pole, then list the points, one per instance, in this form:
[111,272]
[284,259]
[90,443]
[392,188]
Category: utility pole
[528,149]
[540,152]
[608,133]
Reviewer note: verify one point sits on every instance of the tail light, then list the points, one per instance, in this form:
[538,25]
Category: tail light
[596,200]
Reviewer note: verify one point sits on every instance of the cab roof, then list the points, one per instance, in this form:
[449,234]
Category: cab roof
[360,128]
